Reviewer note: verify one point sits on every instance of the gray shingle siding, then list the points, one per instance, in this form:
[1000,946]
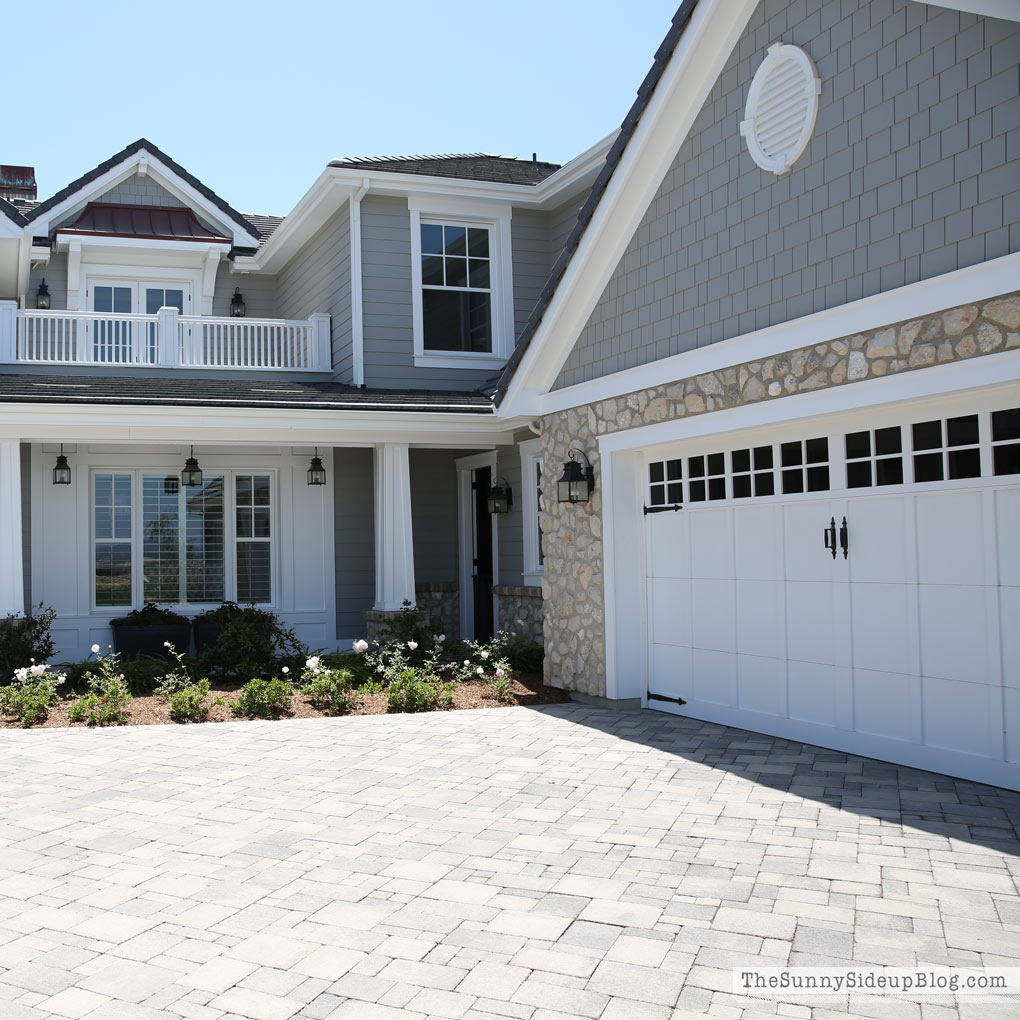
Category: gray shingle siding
[257,289]
[140,191]
[354,535]
[319,280]
[913,170]
[529,234]
[434,514]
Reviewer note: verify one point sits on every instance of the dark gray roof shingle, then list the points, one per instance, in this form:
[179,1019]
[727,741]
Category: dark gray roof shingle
[662,57]
[264,224]
[473,166]
[161,390]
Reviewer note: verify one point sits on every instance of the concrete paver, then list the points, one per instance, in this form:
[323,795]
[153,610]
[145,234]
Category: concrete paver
[535,864]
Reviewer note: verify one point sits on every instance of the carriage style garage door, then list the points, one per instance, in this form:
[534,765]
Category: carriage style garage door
[858,589]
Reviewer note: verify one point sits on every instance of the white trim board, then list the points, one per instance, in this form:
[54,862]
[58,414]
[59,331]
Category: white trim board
[960,287]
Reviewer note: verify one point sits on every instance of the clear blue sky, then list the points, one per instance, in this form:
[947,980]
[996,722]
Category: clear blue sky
[255,98]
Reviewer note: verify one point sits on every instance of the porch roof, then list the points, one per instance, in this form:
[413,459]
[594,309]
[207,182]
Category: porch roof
[225,392]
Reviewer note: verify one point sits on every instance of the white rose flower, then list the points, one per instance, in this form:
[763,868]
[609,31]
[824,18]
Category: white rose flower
[441,638]
[286,669]
[21,675]
[166,644]
[360,646]
[467,662]
[412,645]
[484,655]
[500,672]
[37,670]
[312,662]
[95,649]
[480,671]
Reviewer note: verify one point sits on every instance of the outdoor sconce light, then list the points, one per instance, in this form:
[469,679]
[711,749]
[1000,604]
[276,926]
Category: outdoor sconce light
[316,472]
[171,485]
[42,296]
[192,473]
[500,497]
[61,470]
[577,483]
[237,305]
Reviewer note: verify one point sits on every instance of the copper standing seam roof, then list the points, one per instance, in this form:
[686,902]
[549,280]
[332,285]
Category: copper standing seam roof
[161,223]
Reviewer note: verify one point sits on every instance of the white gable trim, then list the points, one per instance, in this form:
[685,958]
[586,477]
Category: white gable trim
[1008,10]
[143,163]
[701,53]
[960,287]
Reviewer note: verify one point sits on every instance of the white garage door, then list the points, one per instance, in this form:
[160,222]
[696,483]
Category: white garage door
[859,589]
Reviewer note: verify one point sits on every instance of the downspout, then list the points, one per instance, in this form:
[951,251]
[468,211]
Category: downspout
[357,318]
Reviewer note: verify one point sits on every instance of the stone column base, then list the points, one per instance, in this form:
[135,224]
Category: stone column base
[438,607]
[520,610]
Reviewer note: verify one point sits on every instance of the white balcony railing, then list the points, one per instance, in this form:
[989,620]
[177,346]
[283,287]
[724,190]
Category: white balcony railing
[166,339]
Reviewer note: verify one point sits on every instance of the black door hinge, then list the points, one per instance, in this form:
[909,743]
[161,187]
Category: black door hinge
[663,509]
[664,697]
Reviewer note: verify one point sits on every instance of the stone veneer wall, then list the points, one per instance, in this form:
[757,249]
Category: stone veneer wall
[572,588]
[438,604]
[520,610]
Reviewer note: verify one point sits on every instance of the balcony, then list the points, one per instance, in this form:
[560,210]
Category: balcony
[164,340]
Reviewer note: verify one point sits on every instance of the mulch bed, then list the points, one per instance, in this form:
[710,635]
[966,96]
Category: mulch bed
[152,710]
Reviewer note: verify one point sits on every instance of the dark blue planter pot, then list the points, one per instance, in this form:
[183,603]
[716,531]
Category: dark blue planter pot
[130,642]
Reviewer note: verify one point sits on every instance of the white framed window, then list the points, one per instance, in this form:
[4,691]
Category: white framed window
[531,507]
[156,540]
[462,284]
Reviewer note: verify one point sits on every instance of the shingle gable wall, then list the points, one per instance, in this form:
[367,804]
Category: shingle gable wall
[912,171]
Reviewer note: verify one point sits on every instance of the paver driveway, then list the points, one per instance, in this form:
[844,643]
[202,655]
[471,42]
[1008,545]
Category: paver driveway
[542,864]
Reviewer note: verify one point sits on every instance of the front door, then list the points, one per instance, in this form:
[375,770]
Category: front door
[121,338]
[482,565]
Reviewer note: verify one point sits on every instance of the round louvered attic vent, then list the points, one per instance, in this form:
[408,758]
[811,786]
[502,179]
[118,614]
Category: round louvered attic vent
[781,108]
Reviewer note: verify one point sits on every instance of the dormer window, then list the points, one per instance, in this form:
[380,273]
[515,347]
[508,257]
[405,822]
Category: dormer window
[462,287]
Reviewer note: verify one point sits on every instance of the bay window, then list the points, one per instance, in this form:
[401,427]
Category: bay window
[183,545]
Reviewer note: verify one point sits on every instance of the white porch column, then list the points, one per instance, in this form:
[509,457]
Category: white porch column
[394,549]
[12,581]
[8,332]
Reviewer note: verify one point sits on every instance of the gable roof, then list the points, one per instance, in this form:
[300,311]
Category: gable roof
[644,93]
[473,166]
[127,153]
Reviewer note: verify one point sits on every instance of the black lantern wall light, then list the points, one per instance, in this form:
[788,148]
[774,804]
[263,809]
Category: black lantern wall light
[577,483]
[61,470]
[237,305]
[500,498]
[42,296]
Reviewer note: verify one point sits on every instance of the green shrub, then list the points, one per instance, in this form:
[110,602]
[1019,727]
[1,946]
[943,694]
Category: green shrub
[31,694]
[142,675]
[252,644]
[107,695]
[262,699]
[521,653]
[25,639]
[187,704]
[412,692]
[502,690]
[151,615]
[329,689]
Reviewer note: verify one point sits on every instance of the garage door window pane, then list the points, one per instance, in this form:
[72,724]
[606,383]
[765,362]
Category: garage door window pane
[1006,441]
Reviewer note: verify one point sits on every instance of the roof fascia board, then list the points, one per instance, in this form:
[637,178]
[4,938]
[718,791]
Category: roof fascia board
[914,300]
[245,425]
[197,247]
[314,208]
[1007,10]
[165,177]
[579,173]
[707,41]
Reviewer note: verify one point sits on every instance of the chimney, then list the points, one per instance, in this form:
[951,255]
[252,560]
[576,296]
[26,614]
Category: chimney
[17,183]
